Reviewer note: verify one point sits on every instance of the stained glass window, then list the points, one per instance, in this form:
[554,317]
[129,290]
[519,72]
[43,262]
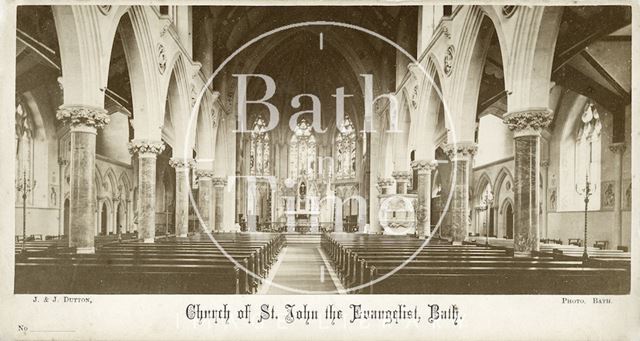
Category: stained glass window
[25,130]
[346,150]
[302,152]
[260,148]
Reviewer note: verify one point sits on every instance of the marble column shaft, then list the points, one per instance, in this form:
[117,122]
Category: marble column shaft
[527,126]
[544,224]
[219,184]
[147,152]
[205,202]
[616,233]
[461,156]
[182,167]
[423,209]
[84,122]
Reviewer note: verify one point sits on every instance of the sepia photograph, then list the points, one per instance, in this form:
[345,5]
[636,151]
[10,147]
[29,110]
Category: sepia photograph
[325,149]
[322,157]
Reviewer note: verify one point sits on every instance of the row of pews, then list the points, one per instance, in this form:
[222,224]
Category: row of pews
[378,264]
[193,265]
[559,251]
[52,244]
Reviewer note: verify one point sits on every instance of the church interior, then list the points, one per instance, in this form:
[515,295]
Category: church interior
[400,149]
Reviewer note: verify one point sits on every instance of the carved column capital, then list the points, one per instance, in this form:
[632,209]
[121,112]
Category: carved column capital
[145,147]
[219,181]
[401,176]
[461,150]
[83,115]
[618,147]
[385,185]
[181,163]
[528,122]
[544,163]
[203,174]
[385,182]
[423,166]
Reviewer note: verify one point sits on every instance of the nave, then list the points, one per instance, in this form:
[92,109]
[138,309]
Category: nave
[508,126]
[304,269]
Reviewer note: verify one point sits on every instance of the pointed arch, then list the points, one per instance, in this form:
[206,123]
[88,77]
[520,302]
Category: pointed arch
[479,26]
[503,205]
[178,98]
[98,179]
[422,129]
[503,175]
[140,53]
[483,181]
[81,51]
[345,150]
[529,69]
[205,127]
[401,138]
[112,181]
[124,186]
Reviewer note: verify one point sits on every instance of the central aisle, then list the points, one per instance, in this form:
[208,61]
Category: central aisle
[302,267]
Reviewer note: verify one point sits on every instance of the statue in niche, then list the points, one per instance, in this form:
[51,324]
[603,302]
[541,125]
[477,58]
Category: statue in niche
[552,200]
[303,191]
[353,163]
[627,195]
[303,195]
[53,197]
[609,196]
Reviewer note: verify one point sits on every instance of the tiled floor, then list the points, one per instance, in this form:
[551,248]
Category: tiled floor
[301,268]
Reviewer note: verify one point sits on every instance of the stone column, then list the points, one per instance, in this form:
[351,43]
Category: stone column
[618,149]
[182,167]
[527,126]
[84,122]
[205,194]
[544,167]
[218,184]
[423,209]
[147,152]
[461,156]
[127,216]
[402,181]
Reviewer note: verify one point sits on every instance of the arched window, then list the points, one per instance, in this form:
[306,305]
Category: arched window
[302,152]
[580,158]
[25,133]
[346,151]
[260,149]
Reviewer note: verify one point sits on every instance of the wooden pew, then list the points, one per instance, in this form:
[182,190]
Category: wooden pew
[194,265]
[470,268]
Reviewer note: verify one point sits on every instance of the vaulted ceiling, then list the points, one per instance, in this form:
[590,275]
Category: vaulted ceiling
[234,26]
[311,59]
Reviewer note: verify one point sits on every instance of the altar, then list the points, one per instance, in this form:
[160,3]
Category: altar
[305,217]
[303,221]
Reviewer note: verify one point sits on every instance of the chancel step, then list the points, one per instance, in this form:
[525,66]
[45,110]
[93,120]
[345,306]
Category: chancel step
[308,238]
